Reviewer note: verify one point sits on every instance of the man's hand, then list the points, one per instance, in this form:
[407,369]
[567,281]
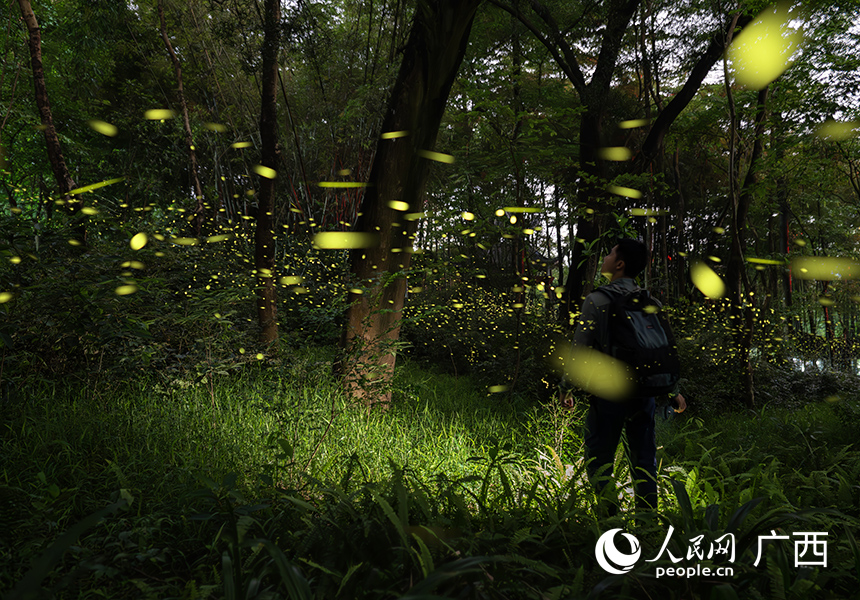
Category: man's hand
[682,403]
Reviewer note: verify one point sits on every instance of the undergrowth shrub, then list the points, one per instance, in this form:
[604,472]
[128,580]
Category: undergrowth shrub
[479,332]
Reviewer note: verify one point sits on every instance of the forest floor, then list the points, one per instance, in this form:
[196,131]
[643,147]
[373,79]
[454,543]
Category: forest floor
[261,481]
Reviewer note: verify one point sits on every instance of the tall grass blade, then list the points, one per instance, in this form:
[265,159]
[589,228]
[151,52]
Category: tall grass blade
[422,590]
[296,585]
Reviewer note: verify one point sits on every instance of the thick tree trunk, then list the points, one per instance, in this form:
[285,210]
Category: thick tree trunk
[590,200]
[197,220]
[264,239]
[52,142]
[431,59]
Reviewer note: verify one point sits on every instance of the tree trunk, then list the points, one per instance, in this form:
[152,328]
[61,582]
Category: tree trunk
[52,142]
[197,220]
[264,239]
[431,59]
[740,200]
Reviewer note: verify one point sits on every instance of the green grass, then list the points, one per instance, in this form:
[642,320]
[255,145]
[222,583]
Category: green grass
[213,460]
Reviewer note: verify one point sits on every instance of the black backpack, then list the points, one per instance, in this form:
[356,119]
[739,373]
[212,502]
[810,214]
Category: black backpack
[640,335]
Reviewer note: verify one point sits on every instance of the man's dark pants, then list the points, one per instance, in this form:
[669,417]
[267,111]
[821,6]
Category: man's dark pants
[603,427]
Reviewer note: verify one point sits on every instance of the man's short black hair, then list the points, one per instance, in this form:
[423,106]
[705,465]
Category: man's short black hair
[634,254]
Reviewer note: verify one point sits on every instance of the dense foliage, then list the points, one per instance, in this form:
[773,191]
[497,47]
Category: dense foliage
[151,446]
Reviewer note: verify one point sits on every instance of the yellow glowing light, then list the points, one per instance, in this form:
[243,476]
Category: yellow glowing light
[414,216]
[125,290]
[625,191]
[259,356]
[89,210]
[218,238]
[521,209]
[241,145]
[825,301]
[645,212]
[342,184]
[437,156]
[344,172]
[291,280]
[458,305]
[15,260]
[833,399]
[357,291]
[345,240]
[616,153]
[398,205]
[764,261]
[468,216]
[715,259]
[103,128]
[825,268]
[719,230]
[138,241]
[708,282]
[800,242]
[216,127]
[633,123]
[95,186]
[762,51]
[497,389]
[159,114]
[838,131]
[595,372]
[75,243]
[266,172]
[5,297]
[392,135]
[184,241]
[133,264]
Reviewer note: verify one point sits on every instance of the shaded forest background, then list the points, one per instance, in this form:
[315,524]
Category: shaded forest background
[205,193]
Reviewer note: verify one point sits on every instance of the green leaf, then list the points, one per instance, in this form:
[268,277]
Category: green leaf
[30,585]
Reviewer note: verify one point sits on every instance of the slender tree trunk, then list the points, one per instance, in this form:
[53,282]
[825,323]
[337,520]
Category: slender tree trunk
[197,220]
[679,262]
[52,142]
[431,59]
[264,239]
[740,200]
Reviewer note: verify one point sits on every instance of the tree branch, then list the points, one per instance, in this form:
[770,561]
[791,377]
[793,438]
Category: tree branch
[654,141]
[557,46]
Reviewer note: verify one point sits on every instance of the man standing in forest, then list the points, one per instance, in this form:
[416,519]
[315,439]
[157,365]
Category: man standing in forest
[634,416]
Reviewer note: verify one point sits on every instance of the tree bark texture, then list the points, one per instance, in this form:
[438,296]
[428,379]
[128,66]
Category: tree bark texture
[52,141]
[590,178]
[264,238]
[431,60]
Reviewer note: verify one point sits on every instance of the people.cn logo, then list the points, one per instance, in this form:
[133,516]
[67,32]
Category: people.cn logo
[610,558]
